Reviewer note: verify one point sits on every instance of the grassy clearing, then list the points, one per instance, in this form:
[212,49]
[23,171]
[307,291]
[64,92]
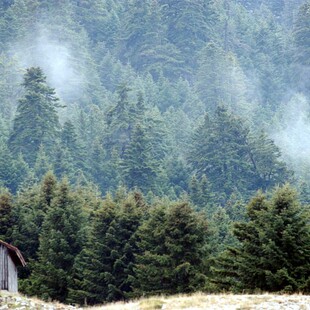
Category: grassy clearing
[196,301]
[200,301]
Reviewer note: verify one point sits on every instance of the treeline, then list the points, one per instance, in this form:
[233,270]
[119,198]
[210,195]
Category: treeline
[221,157]
[81,248]
[172,97]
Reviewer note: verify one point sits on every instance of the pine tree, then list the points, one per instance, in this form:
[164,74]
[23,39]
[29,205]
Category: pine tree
[42,164]
[220,151]
[188,19]
[36,122]
[59,244]
[7,171]
[274,246]
[171,244]
[32,204]
[265,157]
[302,34]
[139,169]
[119,123]
[6,215]
[69,140]
[103,270]
[201,194]
[144,41]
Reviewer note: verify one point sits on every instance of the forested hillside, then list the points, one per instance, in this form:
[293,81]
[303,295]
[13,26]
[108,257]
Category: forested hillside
[133,135]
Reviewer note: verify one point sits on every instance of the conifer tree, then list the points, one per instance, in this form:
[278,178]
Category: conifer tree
[171,251]
[302,34]
[6,215]
[274,251]
[42,164]
[104,269]
[266,161]
[36,122]
[59,244]
[139,169]
[7,171]
[119,123]
[69,140]
[32,204]
[188,19]
[220,151]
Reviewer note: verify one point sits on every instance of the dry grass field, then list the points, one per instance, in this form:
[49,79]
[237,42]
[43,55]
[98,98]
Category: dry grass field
[196,301]
[215,302]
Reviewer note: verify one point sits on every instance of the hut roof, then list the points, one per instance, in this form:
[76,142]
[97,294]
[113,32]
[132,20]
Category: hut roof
[15,254]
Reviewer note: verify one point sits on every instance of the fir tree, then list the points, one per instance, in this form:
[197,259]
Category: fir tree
[42,164]
[274,246]
[36,122]
[220,151]
[6,215]
[139,169]
[104,268]
[69,140]
[59,244]
[171,253]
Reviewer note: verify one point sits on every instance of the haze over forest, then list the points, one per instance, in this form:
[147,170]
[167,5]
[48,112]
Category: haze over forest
[145,112]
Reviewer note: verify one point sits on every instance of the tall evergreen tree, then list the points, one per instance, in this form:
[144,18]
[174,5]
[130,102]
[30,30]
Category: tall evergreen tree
[139,168]
[70,140]
[42,164]
[274,246]
[144,42]
[220,151]
[60,242]
[266,161]
[36,122]
[104,268]
[171,244]
[32,204]
[302,34]
[119,123]
[6,215]
[189,19]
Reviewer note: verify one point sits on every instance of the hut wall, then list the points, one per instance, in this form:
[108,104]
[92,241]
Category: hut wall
[8,271]
[4,271]
[13,287]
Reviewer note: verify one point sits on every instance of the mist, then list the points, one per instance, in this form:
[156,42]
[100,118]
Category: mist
[292,132]
[56,59]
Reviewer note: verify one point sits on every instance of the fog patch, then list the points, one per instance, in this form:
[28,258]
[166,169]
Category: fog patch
[56,59]
[292,131]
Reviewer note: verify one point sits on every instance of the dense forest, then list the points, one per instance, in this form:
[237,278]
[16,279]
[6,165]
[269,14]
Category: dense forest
[156,146]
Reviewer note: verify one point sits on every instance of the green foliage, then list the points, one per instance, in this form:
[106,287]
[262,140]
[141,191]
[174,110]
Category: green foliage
[219,151]
[223,150]
[144,40]
[171,244]
[6,215]
[201,194]
[265,156]
[302,34]
[135,79]
[36,122]
[103,270]
[139,169]
[274,246]
[29,212]
[60,242]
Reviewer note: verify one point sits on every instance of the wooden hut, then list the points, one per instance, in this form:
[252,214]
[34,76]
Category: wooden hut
[10,258]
